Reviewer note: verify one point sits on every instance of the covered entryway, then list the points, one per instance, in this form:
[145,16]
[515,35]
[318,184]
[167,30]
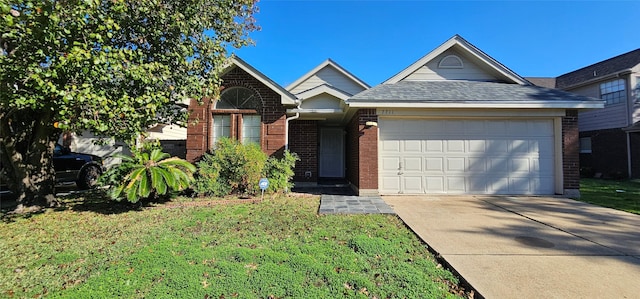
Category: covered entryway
[466,156]
[331,159]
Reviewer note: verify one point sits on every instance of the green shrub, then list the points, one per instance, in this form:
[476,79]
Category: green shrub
[236,168]
[147,174]
[231,167]
[280,171]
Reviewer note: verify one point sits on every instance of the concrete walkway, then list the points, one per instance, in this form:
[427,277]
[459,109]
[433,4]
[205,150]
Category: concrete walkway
[530,247]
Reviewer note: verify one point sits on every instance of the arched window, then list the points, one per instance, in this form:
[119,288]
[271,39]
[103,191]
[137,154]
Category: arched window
[238,98]
[236,115]
[451,62]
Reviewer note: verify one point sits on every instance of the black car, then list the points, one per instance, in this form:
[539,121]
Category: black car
[84,169]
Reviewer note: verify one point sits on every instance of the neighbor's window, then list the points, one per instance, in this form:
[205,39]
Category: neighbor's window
[585,145]
[613,92]
[236,115]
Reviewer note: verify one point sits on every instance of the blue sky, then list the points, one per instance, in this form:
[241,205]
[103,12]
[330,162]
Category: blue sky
[376,39]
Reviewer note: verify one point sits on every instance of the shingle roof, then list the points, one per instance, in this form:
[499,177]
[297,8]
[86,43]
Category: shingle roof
[464,91]
[600,69]
[548,82]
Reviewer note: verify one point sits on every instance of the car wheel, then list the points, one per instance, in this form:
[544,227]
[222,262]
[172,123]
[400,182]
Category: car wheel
[88,177]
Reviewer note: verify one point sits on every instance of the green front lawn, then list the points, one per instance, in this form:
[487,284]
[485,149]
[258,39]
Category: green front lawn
[277,248]
[620,195]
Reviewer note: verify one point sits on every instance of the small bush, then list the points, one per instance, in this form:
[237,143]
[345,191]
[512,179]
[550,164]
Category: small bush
[231,167]
[236,168]
[280,171]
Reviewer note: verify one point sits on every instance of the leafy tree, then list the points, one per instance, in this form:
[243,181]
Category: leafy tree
[108,66]
[152,173]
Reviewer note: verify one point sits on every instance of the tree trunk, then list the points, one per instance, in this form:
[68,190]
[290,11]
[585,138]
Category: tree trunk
[27,144]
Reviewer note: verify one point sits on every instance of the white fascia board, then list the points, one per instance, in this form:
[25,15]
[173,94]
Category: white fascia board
[555,104]
[323,89]
[315,111]
[286,97]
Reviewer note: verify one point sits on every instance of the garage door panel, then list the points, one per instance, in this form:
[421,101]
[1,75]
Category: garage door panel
[476,164]
[456,184]
[498,185]
[476,184]
[520,185]
[455,164]
[412,184]
[468,156]
[497,165]
[412,164]
[390,184]
[435,184]
[518,128]
[519,146]
[477,146]
[520,165]
[390,146]
[414,146]
[496,127]
[434,146]
[434,164]
[497,146]
[455,146]
[390,164]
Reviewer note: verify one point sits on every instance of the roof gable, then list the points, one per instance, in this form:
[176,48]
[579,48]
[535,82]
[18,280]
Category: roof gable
[286,98]
[474,65]
[331,74]
[602,69]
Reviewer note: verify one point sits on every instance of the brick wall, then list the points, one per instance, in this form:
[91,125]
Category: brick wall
[272,112]
[303,140]
[608,155]
[362,150]
[570,151]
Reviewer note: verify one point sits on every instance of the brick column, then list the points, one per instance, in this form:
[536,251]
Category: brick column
[363,152]
[198,129]
[571,154]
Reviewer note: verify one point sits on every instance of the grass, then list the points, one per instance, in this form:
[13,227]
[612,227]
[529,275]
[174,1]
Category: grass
[620,195]
[277,248]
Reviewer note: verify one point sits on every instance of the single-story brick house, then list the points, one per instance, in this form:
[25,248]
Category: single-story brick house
[454,122]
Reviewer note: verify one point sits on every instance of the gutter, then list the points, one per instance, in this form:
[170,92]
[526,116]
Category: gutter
[286,125]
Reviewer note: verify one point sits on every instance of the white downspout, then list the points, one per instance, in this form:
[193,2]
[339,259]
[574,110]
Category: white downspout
[286,125]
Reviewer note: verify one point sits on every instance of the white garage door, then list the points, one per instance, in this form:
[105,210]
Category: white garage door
[466,156]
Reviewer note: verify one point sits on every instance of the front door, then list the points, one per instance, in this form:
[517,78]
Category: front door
[331,160]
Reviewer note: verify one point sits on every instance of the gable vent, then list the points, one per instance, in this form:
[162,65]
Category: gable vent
[451,62]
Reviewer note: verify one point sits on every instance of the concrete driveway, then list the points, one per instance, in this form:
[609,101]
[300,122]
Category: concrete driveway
[530,247]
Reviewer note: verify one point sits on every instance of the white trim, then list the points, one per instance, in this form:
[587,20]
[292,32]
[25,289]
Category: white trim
[470,113]
[318,111]
[468,48]
[322,65]
[324,89]
[484,104]
[286,98]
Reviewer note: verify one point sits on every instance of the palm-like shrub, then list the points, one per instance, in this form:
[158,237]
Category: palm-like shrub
[150,174]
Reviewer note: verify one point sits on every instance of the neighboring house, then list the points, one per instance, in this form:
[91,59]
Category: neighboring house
[454,122]
[609,137]
[172,138]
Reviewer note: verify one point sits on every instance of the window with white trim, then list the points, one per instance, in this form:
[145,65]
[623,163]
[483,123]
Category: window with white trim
[585,145]
[236,116]
[613,92]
